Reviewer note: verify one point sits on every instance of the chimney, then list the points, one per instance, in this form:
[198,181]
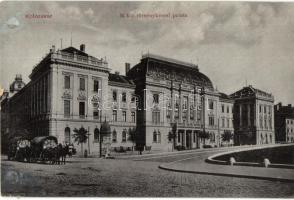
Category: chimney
[128,67]
[82,47]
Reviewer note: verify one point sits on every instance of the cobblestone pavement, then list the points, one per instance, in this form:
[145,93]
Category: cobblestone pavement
[127,178]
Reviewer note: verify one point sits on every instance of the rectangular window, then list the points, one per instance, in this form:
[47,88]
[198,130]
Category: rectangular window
[264,109]
[179,137]
[223,108]
[155,117]
[123,97]
[210,104]
[114,115]
[223,122]
[124,115]
[66,108]
[211,120]
[228,109]
[96,85]
[155,98]
[67,82]
[260,123]
[96,114]
[228,123]
[185,103]
[194,137]
[114,95]
[260,108]
[82,84]
[133,117]
[82,109]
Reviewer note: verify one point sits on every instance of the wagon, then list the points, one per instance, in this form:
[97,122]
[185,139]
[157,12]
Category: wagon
[43,148]
[19,149]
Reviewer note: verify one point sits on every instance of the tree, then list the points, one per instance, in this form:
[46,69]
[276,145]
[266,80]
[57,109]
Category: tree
[132,136]
[80,136]
[227,136]
[172,136]
[204,135]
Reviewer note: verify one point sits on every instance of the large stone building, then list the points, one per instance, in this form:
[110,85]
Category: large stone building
[284,123]
[64,93]
[177,92]
[253,116]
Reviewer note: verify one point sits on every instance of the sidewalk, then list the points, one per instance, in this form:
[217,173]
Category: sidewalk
[194,165]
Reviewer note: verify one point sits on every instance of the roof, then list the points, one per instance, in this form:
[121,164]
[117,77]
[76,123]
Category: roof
[179,68]
[170,60]
[120,79]
[224,96]
[73,49]
[250,91]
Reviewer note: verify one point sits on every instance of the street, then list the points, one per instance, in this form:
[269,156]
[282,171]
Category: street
[137,176]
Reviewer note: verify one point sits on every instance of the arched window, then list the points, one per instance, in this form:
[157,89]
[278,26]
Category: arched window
[270,139]
[124,136]
[67,135]
[154,136]
[114,136]
[96,135]
[158,136]
[261,139]
[266,140]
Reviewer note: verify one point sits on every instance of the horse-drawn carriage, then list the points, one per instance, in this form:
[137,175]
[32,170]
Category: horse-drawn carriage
[19,149]
[44,149]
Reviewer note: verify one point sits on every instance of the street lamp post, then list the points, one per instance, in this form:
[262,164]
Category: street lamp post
[203,108]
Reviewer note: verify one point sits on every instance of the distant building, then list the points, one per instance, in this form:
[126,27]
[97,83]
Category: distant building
[253,116]
[225,120]
[284,123]
[16,85]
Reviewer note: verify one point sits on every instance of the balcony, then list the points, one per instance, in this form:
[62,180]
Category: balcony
[80,59]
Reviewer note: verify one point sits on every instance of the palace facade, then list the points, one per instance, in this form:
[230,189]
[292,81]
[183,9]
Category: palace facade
[70,89]
[177,92]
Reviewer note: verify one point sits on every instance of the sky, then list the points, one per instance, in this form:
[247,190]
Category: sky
[231,42]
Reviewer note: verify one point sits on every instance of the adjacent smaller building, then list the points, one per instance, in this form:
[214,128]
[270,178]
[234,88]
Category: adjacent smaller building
[284,123]
[253,117]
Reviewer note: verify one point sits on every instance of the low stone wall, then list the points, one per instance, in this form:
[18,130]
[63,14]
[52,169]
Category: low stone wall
[215,158]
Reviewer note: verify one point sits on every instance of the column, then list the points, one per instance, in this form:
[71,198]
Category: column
[49,92]
[172,103]
[44,93]
[248,115]
[180,107]
[240,114]
[188,109]
[184,138]
[195,104]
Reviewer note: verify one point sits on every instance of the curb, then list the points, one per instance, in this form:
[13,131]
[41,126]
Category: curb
[212,160]
[227,175]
